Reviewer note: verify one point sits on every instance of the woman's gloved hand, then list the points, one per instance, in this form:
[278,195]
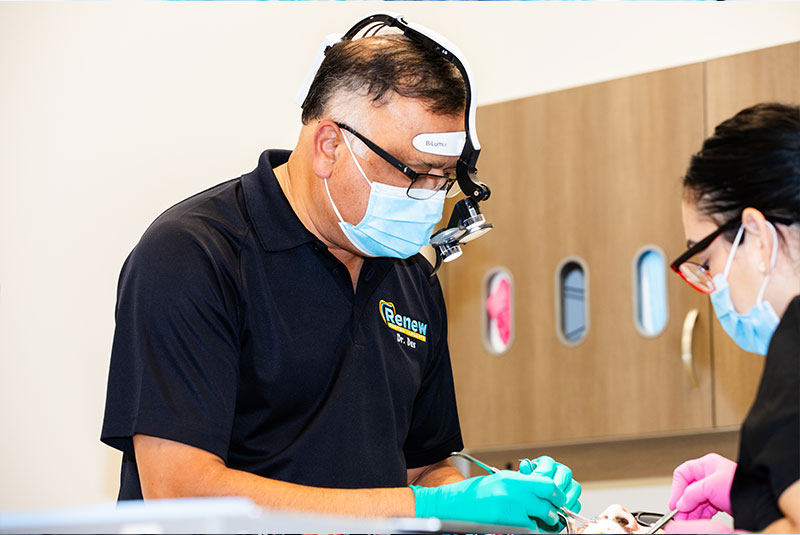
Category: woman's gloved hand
[559,473]
[702,487]
[506,497]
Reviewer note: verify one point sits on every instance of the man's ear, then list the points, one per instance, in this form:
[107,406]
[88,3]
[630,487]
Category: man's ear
[756,226]
[323,151]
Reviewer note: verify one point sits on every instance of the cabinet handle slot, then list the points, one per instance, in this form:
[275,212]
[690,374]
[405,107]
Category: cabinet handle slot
[686,346]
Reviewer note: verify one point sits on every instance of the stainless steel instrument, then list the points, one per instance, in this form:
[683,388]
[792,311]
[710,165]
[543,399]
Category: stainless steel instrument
[661,521]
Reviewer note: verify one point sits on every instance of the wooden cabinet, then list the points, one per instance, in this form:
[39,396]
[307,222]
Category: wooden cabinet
[595,173]
[592,172]
[732,84]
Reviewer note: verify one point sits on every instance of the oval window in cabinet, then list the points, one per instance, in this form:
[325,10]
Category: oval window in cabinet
[572,301]
[498,312]
[650,302]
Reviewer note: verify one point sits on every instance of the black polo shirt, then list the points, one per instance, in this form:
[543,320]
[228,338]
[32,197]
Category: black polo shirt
[239,333]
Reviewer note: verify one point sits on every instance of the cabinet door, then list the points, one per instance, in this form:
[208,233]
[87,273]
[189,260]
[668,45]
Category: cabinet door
[593,172]
[734,83]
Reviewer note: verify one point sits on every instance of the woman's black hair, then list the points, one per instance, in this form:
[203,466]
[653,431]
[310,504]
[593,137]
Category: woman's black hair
[752,160]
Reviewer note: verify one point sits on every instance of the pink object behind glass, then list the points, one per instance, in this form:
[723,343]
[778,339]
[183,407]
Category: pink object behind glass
[498,305]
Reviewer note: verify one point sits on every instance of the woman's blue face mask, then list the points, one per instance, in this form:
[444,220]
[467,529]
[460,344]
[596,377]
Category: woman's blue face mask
[752,331]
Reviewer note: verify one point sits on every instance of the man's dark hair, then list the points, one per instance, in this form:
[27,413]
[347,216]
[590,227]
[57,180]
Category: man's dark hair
[378,67]
[753,159]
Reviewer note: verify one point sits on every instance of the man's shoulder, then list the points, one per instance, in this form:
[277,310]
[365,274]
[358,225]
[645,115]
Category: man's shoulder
[205,215]
[226,208]
[210,226]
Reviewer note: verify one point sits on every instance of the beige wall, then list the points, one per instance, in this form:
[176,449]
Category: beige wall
[111,112]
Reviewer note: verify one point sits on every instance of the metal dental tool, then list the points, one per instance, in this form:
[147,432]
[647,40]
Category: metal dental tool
[663,520]
[470,458]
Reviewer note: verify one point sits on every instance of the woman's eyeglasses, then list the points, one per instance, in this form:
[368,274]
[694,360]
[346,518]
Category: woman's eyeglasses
[697,275]
[423,185]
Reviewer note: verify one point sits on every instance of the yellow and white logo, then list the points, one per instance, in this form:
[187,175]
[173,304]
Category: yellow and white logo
[402,324]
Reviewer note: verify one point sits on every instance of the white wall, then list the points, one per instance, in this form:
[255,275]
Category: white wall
[111,112]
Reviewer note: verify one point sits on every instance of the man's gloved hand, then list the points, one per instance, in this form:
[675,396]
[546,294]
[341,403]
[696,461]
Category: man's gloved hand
[702,487]
[506,497]
[696,526]
[559,473]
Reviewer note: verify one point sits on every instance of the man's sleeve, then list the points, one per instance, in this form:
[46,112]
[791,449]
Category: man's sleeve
[174,360]
[435,431]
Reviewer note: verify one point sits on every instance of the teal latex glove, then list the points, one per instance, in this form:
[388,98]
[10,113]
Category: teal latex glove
[559,473]
[506,497]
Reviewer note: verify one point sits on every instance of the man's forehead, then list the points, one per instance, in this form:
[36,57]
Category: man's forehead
[414,117]
[418,135]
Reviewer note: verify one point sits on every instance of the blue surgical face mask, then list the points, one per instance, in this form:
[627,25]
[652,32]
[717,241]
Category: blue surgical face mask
[752,331]
[394,224]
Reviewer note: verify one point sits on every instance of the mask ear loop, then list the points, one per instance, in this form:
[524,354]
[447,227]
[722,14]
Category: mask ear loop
[333,204]
[773,258]
[363,174]
[733,252]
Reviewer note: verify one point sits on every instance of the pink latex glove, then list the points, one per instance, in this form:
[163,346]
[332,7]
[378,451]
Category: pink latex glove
[702,487]
[696,526]
[498,305]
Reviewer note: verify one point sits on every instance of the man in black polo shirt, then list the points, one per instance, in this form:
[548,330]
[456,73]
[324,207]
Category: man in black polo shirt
[279,337]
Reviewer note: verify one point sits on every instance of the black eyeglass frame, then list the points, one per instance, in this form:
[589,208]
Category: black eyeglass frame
[400,166]
[705,242]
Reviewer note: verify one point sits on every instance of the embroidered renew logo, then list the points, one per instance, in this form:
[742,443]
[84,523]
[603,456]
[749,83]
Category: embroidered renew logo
[402,324]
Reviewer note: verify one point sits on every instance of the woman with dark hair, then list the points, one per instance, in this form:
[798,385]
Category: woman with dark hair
[741,217]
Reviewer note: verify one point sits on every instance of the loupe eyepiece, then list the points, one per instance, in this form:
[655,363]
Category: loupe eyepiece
[449,252]
[466,223]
